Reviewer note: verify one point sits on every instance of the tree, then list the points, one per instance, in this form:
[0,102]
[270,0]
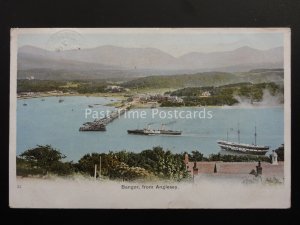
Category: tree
[215,157]
[125,165]
[87,163]
[163,164]
[125,172]
[196,156]
[280,153]
[44,157]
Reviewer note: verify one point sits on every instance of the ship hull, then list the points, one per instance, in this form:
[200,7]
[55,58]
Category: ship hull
[170,132]
[138,132]
[246,152]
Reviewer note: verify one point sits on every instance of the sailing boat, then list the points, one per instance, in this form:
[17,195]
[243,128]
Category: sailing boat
[252,149]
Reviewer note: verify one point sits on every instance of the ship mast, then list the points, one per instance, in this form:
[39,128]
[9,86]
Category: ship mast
[227,134]
[255,134]
[239,132]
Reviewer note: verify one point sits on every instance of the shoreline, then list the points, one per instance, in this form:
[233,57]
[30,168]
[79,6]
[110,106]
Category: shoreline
[45,95]
[139,105]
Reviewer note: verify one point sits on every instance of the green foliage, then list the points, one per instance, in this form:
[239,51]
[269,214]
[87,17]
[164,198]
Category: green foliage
[237,158]
[39,85]
[87,163]
[171,104]
[255,91]
[206,79]
[82,87]
[149,164]
[191,91]
[62,168]
[196,156]
[41,160]
[210,101]
[280,153]
[177,81]
[163,164]
[24,168]
[223,95]
[91,87]
[125,172]
[129,166]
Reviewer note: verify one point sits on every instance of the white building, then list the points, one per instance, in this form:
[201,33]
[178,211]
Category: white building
[206,94]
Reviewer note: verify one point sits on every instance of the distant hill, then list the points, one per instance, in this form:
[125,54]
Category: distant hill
[241,59]
[112,61]
[206,79]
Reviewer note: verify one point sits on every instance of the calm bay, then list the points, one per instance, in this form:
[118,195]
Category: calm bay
[46,121]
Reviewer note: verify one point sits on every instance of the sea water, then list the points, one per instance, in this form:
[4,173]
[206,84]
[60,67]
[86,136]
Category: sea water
[57,124]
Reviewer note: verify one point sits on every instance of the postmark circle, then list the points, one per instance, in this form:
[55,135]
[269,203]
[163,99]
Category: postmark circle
[65,40]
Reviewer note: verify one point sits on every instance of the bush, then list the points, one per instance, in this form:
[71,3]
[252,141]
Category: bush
[41,160]
[129,166]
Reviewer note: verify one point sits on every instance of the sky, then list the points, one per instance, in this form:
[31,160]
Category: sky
[176,42]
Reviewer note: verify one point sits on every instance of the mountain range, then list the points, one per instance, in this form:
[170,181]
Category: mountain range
[112,61]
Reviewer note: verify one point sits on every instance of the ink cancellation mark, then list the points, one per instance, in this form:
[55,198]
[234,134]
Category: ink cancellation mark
[65,39]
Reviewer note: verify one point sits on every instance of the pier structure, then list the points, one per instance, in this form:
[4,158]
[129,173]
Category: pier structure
[100,124]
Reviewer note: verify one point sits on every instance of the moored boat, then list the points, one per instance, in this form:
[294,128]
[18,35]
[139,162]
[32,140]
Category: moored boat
[252,149]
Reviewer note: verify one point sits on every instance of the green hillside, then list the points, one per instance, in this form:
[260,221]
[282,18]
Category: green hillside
[206,79]
[224,95]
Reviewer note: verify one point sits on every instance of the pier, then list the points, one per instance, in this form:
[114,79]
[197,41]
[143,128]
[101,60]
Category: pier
[100,124]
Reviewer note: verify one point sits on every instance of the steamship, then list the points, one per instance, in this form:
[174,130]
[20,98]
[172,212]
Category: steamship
[148,131]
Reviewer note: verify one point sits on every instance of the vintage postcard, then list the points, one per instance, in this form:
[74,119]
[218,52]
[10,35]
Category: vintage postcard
[136,118]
